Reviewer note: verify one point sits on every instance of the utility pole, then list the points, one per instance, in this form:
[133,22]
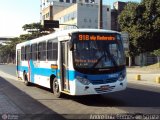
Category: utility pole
[100,17]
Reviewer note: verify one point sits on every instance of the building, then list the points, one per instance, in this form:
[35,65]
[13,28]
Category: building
[71,13]
[117,9]
[50,7]
[83,15]
[52,10]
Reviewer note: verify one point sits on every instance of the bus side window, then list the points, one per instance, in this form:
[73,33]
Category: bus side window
[42,51]
[22,53]
[49,50]
[55,51]
[28,52]
[34,51]
[52,50]
[39,48]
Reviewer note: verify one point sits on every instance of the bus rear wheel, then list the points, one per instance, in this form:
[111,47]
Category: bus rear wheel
[25,78]
[55,88]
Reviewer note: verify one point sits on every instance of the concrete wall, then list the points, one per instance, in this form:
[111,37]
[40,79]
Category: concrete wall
[85,16]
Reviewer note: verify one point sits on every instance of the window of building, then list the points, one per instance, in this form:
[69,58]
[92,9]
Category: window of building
[87,1]
[85,20]
[42,51]
[61,0]
[47,15]
[43,17]
[107,9]
[67,1]
[52,50]
[74,1]
[92,1]
[34,51]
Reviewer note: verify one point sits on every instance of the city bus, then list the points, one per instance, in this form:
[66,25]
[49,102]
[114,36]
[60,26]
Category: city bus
[74,62]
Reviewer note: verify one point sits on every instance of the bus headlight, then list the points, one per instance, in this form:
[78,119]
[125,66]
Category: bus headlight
[82,80]
[122,76]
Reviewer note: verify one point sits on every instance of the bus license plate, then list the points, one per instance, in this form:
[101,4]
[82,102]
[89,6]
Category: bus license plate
[104,87]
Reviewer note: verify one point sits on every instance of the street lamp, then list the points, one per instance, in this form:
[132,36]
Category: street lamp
[100,18]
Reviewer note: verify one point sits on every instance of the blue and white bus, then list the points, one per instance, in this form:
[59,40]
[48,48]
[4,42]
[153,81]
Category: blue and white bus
[74,62]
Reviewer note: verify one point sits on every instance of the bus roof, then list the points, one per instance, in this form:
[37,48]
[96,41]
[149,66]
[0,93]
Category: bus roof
[64,33]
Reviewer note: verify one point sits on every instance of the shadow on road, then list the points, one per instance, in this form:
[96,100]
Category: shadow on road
[31,108]
[129,98]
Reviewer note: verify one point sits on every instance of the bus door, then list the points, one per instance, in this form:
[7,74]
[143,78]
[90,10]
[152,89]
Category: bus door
[18,61]
[64,66]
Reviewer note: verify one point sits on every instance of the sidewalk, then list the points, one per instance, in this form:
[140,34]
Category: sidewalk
[147,76]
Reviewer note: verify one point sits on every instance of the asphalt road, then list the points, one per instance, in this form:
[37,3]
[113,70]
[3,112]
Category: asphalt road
[38,102]
[8,68]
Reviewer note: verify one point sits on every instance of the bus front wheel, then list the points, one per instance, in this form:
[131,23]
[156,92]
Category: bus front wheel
[55,88]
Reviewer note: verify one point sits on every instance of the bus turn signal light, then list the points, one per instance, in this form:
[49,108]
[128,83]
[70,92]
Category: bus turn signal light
[54,66]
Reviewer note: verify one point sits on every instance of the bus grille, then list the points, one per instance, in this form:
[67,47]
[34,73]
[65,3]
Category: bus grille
[96,82]
[99,90]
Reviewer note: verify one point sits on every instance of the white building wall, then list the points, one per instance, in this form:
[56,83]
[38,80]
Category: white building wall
[58,6]
[46,3]
[84,16]
[87,16]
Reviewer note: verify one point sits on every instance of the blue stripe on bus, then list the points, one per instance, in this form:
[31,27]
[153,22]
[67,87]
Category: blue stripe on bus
[45,72]
[71,73]
[38,71]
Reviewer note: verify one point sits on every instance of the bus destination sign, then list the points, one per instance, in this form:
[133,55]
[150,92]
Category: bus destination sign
[96,37]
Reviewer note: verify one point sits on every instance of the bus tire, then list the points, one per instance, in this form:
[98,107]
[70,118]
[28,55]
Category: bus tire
[55,88]
[25,78]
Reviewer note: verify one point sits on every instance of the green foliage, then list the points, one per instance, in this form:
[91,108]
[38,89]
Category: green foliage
[142,22]
[156,52]
[127,23]
[7,52]
[34,30]
[33,27]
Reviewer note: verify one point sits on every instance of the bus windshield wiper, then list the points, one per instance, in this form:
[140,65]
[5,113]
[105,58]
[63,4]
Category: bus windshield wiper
[99,59]
[104,55]
[111,58]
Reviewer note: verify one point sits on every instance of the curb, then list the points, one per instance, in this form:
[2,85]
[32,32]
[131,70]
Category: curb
[6,75]
[144,83]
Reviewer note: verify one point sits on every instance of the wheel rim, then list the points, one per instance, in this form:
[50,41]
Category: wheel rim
[56,87]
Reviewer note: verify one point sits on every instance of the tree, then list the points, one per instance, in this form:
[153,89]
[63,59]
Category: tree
[148,17]
[33,27]
[142,22]
[127,24]
[8,51]
[35,30]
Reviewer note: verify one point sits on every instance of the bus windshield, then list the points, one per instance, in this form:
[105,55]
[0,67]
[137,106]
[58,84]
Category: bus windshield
[99,51]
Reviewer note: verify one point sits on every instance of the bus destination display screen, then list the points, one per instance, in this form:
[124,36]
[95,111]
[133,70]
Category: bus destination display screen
[94,37]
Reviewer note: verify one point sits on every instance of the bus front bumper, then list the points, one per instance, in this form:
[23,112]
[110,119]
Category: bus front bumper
[80,89]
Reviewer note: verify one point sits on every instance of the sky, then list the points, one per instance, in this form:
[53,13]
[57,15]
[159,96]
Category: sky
[16,13]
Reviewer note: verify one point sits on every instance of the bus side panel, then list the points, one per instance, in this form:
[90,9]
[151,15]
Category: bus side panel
[40,73]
